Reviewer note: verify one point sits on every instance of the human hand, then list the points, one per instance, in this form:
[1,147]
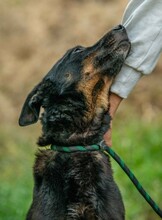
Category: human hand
[108,136]
[115,101]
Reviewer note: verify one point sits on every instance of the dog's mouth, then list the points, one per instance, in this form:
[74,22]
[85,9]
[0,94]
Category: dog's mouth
[124,47]
[117,38]
[111,51]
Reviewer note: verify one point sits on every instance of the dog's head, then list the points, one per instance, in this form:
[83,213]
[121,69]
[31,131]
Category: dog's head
[75,92]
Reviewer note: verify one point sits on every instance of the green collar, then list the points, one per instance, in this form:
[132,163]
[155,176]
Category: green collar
[70,149]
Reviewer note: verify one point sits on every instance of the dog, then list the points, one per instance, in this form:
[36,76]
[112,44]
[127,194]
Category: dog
[75,97]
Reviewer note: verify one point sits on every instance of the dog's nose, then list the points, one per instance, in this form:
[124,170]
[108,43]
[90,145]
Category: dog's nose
[119,28]
[119,33]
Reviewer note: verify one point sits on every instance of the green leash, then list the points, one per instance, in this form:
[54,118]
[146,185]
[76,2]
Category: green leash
[108,151]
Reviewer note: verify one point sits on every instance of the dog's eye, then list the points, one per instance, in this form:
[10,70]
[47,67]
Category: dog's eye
[78,49]
[68,75]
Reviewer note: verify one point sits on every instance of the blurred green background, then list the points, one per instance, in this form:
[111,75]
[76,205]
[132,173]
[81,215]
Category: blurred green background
[33,35]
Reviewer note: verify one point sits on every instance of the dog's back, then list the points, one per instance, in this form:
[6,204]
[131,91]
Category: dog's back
[75,98]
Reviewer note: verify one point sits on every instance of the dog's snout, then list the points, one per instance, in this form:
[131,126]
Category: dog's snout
[119,28]
[120,33]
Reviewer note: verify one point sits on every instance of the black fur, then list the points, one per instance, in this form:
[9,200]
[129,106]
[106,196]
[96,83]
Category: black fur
[74,96]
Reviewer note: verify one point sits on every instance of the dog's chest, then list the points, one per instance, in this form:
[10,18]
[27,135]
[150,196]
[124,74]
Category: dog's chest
[75,185]
[74,177]
[82,171]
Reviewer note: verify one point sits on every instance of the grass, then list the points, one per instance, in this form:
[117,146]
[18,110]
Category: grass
[16,159]
[137,142]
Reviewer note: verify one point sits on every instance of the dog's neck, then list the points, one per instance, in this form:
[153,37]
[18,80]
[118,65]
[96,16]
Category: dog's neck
[70,121]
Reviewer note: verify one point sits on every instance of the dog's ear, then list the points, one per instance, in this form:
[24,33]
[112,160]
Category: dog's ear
[31,108]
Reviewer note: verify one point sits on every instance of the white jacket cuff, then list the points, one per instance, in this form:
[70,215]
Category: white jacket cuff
[125,81]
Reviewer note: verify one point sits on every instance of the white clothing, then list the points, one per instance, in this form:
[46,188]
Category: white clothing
[143,22]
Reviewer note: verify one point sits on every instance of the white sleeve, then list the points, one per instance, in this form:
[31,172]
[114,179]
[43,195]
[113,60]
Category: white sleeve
[143,22]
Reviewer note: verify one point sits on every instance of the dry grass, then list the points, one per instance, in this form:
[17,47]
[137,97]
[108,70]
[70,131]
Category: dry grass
[33,35]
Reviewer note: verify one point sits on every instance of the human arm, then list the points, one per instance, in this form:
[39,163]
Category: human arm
[143,22]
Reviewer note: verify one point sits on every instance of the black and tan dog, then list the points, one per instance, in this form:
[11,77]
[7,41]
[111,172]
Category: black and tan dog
[75,98]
